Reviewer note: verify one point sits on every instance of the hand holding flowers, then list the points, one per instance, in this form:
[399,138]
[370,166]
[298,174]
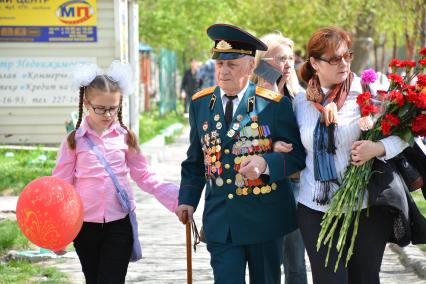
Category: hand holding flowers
[365,150]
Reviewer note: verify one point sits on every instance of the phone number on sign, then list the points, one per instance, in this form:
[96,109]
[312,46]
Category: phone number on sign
[19,100]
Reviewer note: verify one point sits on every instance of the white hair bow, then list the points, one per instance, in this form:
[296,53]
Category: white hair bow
[118,72]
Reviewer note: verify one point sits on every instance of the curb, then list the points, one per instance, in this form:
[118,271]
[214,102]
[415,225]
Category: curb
[35,255]
[413,257]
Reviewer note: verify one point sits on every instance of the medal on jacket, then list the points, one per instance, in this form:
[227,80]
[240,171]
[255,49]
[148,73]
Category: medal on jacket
[205,125]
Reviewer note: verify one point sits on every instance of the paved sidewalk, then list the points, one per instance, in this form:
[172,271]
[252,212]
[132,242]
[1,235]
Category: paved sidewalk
[8,204]
[163,237]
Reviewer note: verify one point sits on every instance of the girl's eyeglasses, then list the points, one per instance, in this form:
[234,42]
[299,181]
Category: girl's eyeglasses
[335,60]
[103,110]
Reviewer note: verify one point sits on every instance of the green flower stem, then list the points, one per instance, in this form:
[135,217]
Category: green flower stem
[328,218]
[330,243]
[345,207]
[355,231]
[347,218]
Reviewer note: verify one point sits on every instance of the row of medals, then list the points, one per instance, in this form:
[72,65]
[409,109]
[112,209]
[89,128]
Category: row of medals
[251,140]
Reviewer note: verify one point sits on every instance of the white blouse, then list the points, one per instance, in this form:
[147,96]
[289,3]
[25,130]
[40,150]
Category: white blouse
[346,133]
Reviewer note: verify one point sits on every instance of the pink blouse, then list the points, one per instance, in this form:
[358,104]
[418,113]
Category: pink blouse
[82,168]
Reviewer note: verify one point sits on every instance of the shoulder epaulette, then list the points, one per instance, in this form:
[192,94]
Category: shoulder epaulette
[203,93]
[268,94]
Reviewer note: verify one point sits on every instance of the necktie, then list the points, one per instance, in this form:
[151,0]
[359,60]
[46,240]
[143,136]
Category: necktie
[229,109]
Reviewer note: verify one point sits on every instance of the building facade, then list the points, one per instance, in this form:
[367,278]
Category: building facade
[37,58]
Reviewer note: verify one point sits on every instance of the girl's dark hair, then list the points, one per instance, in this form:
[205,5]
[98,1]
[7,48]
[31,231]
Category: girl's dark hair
[132,140]
[71,136]
[106,84]
[322,41]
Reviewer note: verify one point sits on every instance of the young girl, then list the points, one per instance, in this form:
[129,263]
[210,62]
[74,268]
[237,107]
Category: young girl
[105,241]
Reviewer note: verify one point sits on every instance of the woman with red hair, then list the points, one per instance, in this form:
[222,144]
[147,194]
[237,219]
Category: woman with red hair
[328,115]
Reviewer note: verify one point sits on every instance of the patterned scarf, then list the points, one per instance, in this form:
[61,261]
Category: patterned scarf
[324,146]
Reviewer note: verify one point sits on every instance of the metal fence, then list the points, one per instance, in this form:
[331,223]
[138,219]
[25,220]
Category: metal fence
[167,73]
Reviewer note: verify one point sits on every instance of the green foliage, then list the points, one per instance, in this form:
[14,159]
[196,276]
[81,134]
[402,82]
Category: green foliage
[11,237]
[23,167]
[180,25]
[421,204]
[420,201]
[23,272]
[152,123]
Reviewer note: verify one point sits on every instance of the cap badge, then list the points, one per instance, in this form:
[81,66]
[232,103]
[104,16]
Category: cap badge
[223,45]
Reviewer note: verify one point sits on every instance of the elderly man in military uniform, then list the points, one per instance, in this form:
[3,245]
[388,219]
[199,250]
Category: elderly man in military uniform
[249,204]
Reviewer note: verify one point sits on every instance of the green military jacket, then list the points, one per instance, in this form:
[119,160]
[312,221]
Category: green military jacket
[251,211]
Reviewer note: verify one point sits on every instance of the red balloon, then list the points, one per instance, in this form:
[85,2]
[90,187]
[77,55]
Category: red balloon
[50,213]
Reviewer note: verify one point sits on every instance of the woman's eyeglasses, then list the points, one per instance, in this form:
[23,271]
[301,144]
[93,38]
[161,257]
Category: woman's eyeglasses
[103,110]
[279,59]
[335,60]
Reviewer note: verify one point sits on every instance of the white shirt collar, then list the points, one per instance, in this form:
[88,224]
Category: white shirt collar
[240,94]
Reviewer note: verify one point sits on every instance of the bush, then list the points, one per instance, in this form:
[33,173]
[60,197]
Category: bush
[11,237]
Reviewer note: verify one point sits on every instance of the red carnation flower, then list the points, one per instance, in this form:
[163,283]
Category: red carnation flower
[388,122]
[408,63]
[411,63]
[421,81]
[421,100]
[423,51]
[407,87]
[368,109]
[395,63]
[363,98]
[397,97]
[365,110]
[386,127]
[419,125]
[422,62]
[393,119]
[396,78]
[412,96]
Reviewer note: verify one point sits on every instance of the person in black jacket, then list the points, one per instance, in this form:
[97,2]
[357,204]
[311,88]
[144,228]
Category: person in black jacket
[190,83]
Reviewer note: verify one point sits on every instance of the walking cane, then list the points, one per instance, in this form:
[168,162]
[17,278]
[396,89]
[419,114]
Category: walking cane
[188,247]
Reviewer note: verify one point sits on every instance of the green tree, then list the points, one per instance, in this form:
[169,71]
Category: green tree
[180,25]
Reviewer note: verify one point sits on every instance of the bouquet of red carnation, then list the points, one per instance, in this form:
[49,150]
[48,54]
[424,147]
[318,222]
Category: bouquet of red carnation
[401,112]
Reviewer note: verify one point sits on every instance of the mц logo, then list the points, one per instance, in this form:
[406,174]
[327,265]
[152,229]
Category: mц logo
[74,12]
